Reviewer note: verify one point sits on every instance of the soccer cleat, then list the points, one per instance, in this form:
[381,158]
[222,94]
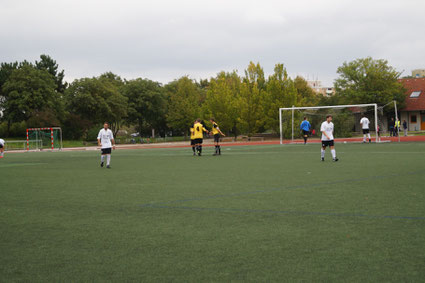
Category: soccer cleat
[335,159]
[101,164]
[107,166]
[215,154]
[194,154]
[323,159]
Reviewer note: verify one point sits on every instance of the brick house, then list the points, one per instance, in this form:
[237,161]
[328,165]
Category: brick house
[414,111]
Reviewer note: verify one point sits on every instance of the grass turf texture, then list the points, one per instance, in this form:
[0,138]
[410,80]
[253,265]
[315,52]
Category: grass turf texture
[256,213]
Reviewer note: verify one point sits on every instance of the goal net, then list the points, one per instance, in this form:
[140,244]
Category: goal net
[44,138]
[346,119]
[387,117]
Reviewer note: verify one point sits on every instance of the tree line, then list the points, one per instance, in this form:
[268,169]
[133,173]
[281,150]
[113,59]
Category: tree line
[36,95]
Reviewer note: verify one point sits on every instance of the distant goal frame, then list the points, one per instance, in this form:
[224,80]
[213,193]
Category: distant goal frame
[51,129]
[293,108]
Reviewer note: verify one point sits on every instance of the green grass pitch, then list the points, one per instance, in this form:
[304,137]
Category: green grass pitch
[256,213]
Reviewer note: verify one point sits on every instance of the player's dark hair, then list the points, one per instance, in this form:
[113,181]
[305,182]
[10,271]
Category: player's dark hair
[212,119]
[198,120]
[329,115]
[305,118]
[106,123]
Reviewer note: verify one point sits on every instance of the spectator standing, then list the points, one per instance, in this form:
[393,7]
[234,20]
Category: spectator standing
[405,128]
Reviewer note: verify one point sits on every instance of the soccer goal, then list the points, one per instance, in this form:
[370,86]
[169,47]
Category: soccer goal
[346,119]
[44,138]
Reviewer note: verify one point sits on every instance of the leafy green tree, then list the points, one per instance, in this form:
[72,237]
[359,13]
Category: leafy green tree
[251,110]
[306,95]
[254,73]
[29,92]
[281,92]
[183,104]
[146,104]
[96,100]
[50,65]
[222,101]
[6,70]
[369,81]
[117,102]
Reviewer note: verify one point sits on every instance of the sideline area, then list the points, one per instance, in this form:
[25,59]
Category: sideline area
[209,143]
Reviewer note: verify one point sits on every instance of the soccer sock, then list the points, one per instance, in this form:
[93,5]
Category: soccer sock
[368,136]
[102,158]
[108,159]
[333,153]
[216,149]
[322,152]
[193,149]
[305,139]
[200,149]
[364,137]
[219,149]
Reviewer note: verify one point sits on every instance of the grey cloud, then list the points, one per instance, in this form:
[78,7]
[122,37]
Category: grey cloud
[164,40]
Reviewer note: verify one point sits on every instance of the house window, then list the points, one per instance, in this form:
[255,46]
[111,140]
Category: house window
[413,119]
[415,94]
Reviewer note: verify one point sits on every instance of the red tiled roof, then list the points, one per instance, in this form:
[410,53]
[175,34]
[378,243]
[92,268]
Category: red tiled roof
[411,85]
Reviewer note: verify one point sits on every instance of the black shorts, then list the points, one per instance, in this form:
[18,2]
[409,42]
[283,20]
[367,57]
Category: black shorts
[306,133]
[365,131]
[1,146]
[327,143]
[192,142]
[106,151]
[217,138]
[198,141]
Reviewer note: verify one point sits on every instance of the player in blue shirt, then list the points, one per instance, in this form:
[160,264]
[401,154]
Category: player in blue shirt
[305,127]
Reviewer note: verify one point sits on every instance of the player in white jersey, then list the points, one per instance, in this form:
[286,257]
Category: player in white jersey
[106,141]
[365,127]
[327,129]
[1,148]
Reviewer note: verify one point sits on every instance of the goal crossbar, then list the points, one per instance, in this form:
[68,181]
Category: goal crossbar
[293,108]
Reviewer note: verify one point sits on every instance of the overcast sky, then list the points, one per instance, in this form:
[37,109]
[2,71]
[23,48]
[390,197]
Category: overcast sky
[165,39]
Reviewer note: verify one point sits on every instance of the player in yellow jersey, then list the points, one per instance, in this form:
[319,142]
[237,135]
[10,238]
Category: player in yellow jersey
[216,133]
[192,139]
[199,135]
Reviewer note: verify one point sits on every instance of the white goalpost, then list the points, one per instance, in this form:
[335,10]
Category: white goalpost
[350,108]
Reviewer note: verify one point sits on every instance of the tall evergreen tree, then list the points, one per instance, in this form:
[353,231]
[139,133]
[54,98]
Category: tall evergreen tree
[50,65]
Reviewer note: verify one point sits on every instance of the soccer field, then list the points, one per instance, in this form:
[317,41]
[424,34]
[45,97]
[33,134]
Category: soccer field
[256,213]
